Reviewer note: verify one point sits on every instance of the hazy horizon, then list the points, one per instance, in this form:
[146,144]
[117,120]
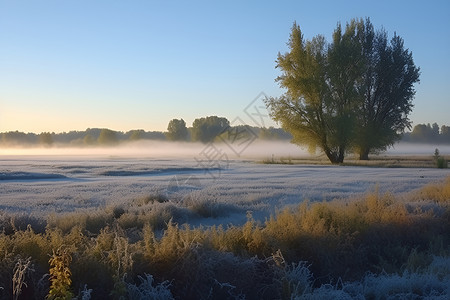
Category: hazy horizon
[259,149]
[73,65]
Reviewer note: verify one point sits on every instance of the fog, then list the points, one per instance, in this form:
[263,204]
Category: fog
[165,149]
[417,149]
[257,149]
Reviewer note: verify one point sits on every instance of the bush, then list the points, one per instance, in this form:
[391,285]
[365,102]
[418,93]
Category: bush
[147,290]
[442,163]
[439,161]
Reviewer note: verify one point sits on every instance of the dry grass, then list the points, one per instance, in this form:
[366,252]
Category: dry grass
[295,253]
[438,193]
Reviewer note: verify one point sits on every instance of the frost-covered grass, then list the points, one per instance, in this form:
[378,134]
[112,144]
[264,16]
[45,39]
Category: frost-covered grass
[42,186]
[379,245]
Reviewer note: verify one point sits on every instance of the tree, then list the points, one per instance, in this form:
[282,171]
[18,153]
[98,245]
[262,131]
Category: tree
[387,91]
[318,106]
[421,133]
[136,135]
[353,94]
[88,139]
[445,134]
[176,130]
[107,137]
[207,129]
[46,138]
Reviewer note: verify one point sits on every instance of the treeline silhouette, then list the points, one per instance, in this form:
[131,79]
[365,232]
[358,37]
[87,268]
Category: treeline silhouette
[426,133]
[421,133]
[107,137]
[89,137]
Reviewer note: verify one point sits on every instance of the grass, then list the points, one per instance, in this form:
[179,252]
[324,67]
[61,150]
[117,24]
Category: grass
[376,246]
[384,161]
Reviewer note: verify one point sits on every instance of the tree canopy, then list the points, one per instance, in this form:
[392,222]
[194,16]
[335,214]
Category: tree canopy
[177,130]
[107,137]
[426,133]
[353,94]
[206,129]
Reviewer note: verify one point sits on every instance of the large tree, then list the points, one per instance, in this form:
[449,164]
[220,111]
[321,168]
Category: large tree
[205,130]
[340,96]
[387,91]
[319,104]
[176,130]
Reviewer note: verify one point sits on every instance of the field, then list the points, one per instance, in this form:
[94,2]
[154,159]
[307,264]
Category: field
[275,227]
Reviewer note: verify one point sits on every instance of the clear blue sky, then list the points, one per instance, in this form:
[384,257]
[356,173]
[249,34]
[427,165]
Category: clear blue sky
[70,65]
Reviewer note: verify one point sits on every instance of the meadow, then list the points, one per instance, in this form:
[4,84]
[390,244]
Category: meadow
[134,227]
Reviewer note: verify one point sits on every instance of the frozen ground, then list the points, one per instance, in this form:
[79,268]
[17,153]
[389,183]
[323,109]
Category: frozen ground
[42,185]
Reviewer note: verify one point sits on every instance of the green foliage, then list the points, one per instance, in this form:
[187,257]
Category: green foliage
[88,139]
[439,161]
[46,138]
[317,107]
[426,133]
[206,129]
[442,163]
[387,91]
[136,135]
[176,130]
[352,94]
[107,137]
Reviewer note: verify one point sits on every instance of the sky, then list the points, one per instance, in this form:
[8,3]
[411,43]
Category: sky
[123,65]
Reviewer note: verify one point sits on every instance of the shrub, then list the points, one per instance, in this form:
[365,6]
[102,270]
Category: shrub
[60,275]
[442,163]
[439,161]
[147,290]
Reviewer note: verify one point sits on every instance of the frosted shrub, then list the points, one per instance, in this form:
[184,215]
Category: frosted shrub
[434,283]
[147,290]
[407,286]
[326,292]
[440,266]
[85,294]
[294,279]
[21,269]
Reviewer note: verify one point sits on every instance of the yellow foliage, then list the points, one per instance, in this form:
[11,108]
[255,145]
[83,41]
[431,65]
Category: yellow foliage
[60,275]
[439,192]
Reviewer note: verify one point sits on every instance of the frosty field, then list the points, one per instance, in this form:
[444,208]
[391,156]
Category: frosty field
[120,217]
[42,185]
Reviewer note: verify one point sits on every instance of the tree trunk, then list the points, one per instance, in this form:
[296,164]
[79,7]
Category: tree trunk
[330,156]
[364,154]
[341,155]
[334,157]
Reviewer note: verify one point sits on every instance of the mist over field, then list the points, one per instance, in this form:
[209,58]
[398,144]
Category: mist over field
[263,178]
[161,202]
[258,149]
[269,209]
[404,148]
[163,149]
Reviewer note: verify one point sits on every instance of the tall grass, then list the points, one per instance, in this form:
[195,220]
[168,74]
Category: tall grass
[377,246]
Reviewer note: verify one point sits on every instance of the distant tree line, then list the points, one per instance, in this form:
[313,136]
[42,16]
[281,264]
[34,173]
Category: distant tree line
[422,133]
[214,128]
[89,137]
[204,130]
